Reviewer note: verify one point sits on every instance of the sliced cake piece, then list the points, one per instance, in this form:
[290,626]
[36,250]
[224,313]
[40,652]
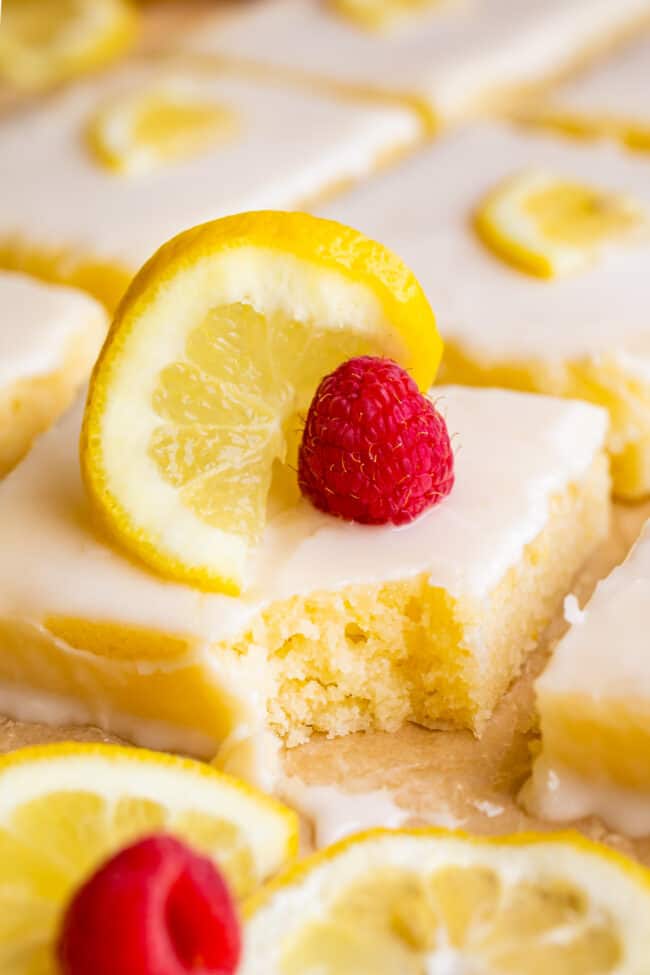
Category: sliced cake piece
[118,165]
[49,340]
[536,262]
[344,627]
[594,704]
[446,56]
[609,100]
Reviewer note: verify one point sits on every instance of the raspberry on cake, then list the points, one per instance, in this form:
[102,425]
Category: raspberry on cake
[537,264]
[447,56]
[594,705]
[118,164]
[49,340]
[374,449]
[610,100]
[343,627]
[154,908]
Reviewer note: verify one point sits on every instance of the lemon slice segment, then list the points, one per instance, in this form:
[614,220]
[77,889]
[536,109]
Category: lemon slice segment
[43,42]
[380,15]
[426,902]
[65,808]
[194,411]
[146,129]
[549,226]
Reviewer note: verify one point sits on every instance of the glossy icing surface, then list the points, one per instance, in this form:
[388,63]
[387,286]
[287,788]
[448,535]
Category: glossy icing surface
[60,196]
[424,211]
[448,53]
[37,324]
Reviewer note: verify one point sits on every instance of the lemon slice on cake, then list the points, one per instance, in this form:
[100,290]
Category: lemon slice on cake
[195,408]
[64,809]
[426,902]
[383,14]
[549,226]
[43,42]
[163,124]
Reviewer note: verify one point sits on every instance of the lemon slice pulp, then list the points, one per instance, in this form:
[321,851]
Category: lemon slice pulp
[549,226]
[164,124]
[428,903]
[43,42]
[211,363]
[65,808]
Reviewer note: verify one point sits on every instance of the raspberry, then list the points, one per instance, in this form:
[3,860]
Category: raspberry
[374,449]
[156,908]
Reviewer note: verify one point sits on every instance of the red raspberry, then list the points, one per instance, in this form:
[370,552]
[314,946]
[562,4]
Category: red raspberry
[157,908]
[374,449]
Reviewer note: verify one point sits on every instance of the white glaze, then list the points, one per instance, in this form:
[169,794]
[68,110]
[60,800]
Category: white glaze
[557,794]
[38,323]
[423,210]
[335,813]
[606,654]
[572,612]
[451,55]
[615,89]
[603,657]
[287,146]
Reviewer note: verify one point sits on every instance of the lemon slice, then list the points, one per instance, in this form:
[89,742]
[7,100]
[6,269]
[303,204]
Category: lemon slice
[426,902]
[143,130]
[66,808]
[195,409]
[549,226]
[43,42]
[382,14]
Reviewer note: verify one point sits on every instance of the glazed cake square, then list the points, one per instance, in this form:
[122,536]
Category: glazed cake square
[50,337]
[609,100]
[594,705]
[342,628]
[582,335]
[446,56]
[73,210]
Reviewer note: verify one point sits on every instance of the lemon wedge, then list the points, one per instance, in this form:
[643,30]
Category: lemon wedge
[66,808]
[382,14]
[549,226]
[43,42]
[194,411]
[169,122]
[426,902]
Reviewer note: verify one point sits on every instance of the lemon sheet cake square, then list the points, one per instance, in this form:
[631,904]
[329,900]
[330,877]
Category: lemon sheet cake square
[583,333]
[609,100]
[342,627]
[594,705]
[49,339]
[96,179]
[446,55]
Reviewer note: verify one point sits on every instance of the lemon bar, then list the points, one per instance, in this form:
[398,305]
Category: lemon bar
[594,705]
[49,339]
[342,628]
[583,334]
[447,56]
[116,166]
[610,100]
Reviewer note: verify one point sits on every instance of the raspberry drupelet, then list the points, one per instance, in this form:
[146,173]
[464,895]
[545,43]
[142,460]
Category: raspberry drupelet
[375,450]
